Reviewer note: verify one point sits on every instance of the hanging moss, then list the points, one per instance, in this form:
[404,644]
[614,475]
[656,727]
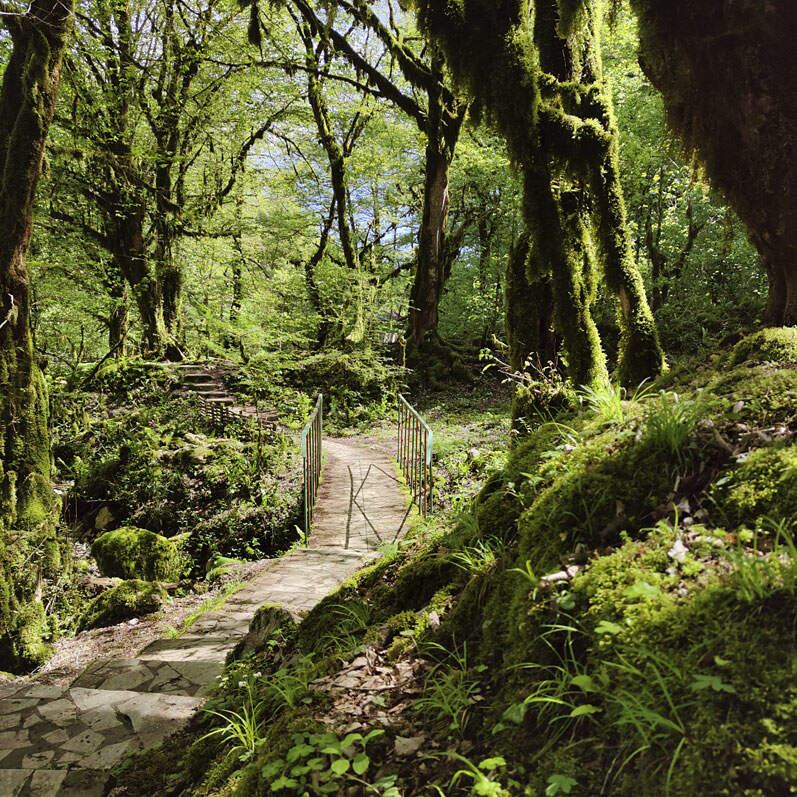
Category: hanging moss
[725,69]
[535,72]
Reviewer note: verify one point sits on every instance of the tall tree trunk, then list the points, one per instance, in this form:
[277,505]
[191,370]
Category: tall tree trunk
[336,158]
[726,73]
[442,126]
[28,510]
[171,283]
[126,236]
[428,283]
[168,274]
[486,231]
[529,311]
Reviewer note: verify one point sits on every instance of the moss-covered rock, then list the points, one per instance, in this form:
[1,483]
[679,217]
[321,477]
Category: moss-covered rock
[776,345]
[764,484]
[129,599]
[761,393]
[130,552]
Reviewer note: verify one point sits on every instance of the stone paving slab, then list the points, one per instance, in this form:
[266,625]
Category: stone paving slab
[188,648]
[151,675]
[52,782]
[45,727]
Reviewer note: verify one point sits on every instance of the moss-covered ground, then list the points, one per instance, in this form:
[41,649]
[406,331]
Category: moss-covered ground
[153,492]
[612,613]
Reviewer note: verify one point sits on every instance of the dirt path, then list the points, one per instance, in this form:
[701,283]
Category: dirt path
[61,741]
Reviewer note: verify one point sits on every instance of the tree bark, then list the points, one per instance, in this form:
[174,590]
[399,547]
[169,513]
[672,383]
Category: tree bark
[27,505]
[529,311]
[118,320]
[428,283]
[441,126]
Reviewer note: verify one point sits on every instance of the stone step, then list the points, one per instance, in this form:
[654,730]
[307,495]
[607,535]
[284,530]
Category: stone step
[200,386]
[47,727]
[189,648]
[220,400]
[196,376]
[213,393]
[194,678]
[52,782]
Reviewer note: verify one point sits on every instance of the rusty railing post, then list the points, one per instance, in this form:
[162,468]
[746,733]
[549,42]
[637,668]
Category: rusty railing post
[311,461]
[414,448]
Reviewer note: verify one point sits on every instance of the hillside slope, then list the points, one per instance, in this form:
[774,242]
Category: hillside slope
[613,614]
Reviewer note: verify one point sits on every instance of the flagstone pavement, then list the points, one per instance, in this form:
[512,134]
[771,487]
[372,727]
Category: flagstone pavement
[56,741]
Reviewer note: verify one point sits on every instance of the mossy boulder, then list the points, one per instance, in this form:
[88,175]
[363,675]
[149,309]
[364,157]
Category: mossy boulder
[776,345]
[130,552]
[129,599]
[764,484]
[760,393]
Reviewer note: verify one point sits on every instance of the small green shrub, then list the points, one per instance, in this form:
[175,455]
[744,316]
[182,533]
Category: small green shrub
[670,424]
[130,552]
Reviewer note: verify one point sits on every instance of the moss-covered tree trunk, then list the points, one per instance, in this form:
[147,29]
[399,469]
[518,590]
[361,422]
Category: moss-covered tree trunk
[118,319]
[529,311]
[428,283]
[337,152]
[28,511]
[534,70]
[125,232]
[725,69]
[168,274]
[441,126]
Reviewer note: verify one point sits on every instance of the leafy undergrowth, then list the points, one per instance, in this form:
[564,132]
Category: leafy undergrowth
[359,387]
[138,454]
[614,614]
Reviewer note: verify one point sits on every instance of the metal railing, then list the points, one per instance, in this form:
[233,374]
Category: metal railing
[415,440]
[217,413]
[223,417]
[311,455]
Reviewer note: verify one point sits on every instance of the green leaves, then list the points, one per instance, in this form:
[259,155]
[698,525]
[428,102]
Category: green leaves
[360,763]
[340,765]
[713,682]
[584,682]
[585,710]
[324,763]
[559,784]
[606,627]
[641,590]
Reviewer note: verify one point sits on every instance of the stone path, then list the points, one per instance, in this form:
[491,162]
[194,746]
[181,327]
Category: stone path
[62,742]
